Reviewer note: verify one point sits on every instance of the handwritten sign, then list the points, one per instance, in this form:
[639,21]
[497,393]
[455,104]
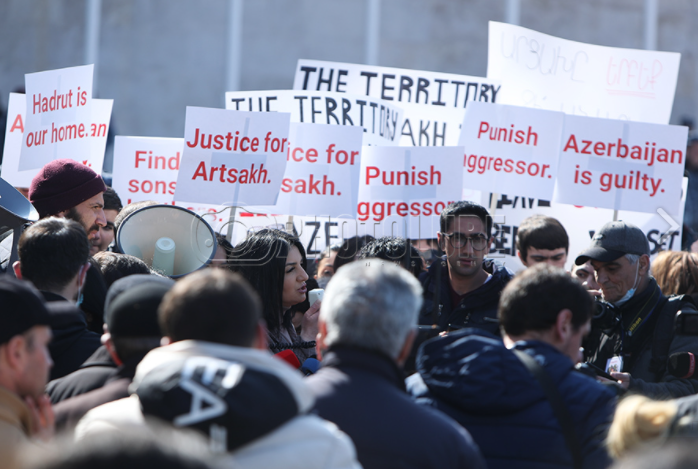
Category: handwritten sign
[232,157]
[14,135]
[434,103]
[145,168]
[621,165]
[381,120]
[58,116]
[322,172]
[546,72]
[580,224]
[511,149]
[405,189]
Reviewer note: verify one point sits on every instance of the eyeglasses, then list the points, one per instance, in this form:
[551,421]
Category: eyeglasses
[459,240]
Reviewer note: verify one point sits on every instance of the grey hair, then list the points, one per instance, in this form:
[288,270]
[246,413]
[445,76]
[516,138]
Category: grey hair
[632,258]
[372,304]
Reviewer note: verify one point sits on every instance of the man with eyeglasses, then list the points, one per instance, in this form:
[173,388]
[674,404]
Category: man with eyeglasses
[463,289]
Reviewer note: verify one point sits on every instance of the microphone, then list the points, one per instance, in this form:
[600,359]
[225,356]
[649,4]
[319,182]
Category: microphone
[310,366]
[289,357]
[682,364]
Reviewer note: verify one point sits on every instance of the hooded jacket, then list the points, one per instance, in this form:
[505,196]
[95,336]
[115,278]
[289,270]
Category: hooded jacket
[249,403]
[478,308]
[471,376]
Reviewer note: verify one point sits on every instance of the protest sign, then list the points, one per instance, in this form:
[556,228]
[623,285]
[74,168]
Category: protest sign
[511,149]
[322,172]
[663,231]
[58,116]
[145,168]
[433,102]
[621,165]
[381,120]
[546,72]
[403,190]
[99,127]
[232,157]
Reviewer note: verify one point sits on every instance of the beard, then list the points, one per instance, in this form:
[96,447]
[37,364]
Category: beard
[92,231]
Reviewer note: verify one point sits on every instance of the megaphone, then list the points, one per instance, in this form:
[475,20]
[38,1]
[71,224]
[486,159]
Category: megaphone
[15,212]
[171,240]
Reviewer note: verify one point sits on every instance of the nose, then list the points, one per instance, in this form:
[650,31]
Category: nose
[303,275]
[101,218]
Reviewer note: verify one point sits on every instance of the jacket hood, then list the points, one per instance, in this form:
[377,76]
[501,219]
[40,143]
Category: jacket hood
[473,371]
[233,394]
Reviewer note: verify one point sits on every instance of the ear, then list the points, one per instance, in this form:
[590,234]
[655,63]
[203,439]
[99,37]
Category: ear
[440,240]
[563,325]
[489,246]
[260,341]
[406,348]
[320,344]
[15,353]
[17,267]
[83,273]
[109,345]
[60,214]
[165,341]
[644,264]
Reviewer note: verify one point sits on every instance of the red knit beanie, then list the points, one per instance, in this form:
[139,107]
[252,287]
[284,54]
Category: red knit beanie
[63,184]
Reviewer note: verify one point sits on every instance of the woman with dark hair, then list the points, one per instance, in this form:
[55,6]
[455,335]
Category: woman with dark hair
[274,263]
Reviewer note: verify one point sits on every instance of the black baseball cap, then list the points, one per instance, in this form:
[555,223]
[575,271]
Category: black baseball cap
[613,240]
[134,313]
[22,308]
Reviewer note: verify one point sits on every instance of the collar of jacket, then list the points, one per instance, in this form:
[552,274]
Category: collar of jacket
[371,361]
[638,308]
[14,411]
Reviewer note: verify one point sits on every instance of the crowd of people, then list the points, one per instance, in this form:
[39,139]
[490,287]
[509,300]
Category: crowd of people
[420,353]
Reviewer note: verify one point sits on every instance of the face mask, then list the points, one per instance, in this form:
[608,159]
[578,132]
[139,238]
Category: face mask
[630,292]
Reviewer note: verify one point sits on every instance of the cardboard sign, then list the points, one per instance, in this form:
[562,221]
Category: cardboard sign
[580,223]
[14,135]
[232,157]
[404,190]
[58,116]
[145,168]
[511,149]
[322,172]
[621,165]
[546,72]
[381,120]
[433,102]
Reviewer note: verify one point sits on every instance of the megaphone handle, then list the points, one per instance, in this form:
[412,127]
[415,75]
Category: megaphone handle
[231,224]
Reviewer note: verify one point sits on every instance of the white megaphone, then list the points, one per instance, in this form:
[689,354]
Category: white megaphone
[15,211]
[171,240]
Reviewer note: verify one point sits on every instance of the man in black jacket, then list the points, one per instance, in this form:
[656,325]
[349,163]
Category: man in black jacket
[366,329]
[633,332]
[463,289]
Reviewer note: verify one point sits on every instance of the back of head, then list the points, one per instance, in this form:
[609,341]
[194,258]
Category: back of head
[676,454]
[51,252]
[372,304]
[533,299]
[541,232]
[61,185]
[214,305]
[112,201]
[395,250]
[129,209]
[349,249]
[676,272]
[465,208]
[115,266]
[22,308]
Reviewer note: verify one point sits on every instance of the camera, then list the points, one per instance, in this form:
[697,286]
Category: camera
[606,316]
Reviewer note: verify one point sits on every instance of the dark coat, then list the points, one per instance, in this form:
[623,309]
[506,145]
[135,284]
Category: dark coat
[363,394]
[477,309]
[92,374]
[481,384]
[71,343]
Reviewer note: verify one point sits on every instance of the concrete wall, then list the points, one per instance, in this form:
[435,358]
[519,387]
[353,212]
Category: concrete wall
[158,56]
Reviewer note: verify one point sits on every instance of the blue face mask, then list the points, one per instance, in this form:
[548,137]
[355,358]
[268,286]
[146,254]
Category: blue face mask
[629,294]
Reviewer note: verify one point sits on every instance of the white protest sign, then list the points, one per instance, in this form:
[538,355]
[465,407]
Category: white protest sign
[98,130]
[580,224]
[546,72]
[433,102]
[380,119]
[145,168]
[511,149]
[58,116]
[232,157]
[621,165]
[322,172]
[405,189]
